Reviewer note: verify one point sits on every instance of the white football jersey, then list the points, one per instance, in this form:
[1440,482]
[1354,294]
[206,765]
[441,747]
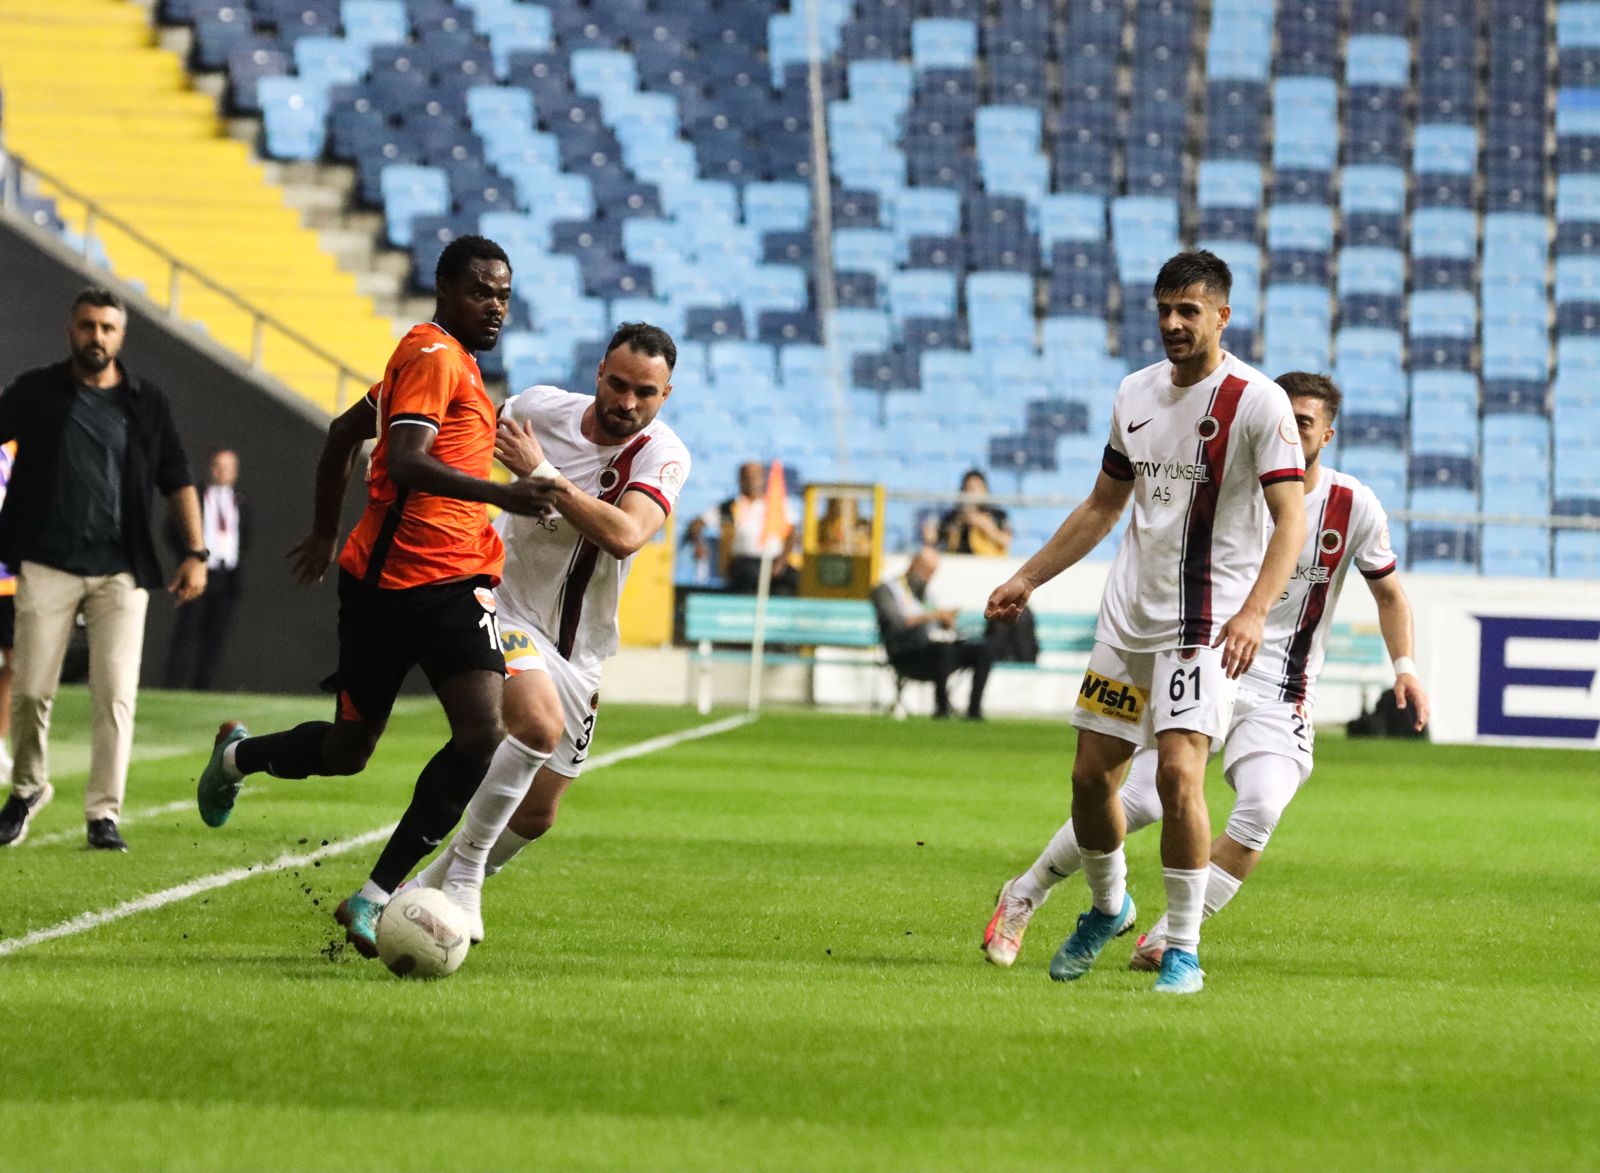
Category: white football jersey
[1345,523]
[554,575]
[1198,458]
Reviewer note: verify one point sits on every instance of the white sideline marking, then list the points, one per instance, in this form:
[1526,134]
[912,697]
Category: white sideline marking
[83,922]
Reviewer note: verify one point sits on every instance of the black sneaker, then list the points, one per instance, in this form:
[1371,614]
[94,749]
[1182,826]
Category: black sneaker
[103,836]
[18,813]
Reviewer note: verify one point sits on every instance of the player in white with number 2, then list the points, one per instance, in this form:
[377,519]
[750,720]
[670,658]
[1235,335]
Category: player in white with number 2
[1207,448]
[1270,737]
[615,472]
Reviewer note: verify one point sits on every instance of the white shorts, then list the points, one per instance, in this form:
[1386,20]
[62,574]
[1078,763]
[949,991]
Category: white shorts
[1137,695]
[1263,724]
[526,650]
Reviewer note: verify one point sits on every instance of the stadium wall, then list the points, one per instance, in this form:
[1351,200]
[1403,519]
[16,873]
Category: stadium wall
[283,635]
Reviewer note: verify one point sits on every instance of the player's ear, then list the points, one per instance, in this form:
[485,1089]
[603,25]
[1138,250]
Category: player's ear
[666,392]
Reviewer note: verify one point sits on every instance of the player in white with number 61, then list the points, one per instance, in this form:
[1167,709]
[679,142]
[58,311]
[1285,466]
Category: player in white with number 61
[615,471]
[1270,738]
[1207,448]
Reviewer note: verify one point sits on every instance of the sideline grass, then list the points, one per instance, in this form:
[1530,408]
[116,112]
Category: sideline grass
[758,951]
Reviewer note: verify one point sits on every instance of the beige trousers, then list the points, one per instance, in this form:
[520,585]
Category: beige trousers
[48,602]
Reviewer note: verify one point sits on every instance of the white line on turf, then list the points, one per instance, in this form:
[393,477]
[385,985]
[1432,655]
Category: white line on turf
[83,922]
[93,920]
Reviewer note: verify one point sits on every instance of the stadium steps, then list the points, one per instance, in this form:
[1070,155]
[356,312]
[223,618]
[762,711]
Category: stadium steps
[131,134]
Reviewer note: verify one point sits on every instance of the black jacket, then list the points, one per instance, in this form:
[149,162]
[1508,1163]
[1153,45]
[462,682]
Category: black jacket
[33,412]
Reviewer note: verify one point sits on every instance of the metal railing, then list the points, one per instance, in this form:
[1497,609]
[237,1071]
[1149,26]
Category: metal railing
[19,177]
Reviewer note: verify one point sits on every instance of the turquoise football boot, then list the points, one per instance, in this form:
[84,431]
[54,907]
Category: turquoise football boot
[1095,931]
[1180,973]
[359,916]
[216,792]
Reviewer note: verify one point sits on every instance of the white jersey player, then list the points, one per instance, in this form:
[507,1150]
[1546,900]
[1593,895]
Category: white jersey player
[1269,740]
[1207,448]
[614,472]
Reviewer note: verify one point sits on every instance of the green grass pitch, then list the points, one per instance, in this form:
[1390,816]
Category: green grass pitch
[758,951]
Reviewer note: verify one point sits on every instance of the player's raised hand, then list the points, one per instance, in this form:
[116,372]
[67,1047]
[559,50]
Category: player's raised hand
[1408,696]
[310,557]
[516,447]
[1007,601]
[1240,640]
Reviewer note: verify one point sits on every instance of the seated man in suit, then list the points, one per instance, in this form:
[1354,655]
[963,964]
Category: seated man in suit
[921,643]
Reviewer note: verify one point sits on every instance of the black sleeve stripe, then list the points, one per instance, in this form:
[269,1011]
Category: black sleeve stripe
[1115,465]
[1373,575]
[412,418]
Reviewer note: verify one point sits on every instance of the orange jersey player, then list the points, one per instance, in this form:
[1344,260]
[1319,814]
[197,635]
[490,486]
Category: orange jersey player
[415,578]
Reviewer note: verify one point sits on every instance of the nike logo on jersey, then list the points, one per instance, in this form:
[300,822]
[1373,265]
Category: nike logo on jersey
[1135,427]
[1181,712]
[434,347]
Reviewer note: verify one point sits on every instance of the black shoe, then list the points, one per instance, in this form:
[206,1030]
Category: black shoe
[103,836]
[18,812]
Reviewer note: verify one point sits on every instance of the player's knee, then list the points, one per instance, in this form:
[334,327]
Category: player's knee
[1089,781]
[1175,783]
[538,731]
[1252,828]
[532,822]
[479,740]
[346,755]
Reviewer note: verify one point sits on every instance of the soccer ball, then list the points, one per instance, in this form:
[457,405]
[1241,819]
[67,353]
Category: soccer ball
[422,935]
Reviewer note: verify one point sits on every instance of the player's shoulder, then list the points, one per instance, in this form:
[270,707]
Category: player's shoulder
[1257,384]
[668,444]
[1361,493]
[1157,374]
[543,400]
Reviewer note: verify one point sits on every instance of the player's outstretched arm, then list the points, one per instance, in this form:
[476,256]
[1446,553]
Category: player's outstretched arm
[412,466]
[311,556]
[1240,637]
[1083,530]
[1394,620]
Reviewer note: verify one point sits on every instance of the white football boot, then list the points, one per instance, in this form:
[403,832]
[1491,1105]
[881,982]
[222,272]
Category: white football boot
[1002,939]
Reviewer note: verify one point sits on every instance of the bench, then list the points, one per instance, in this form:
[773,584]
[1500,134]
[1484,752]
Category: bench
[722,627]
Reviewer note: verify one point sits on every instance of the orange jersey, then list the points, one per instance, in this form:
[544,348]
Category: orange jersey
[405,538]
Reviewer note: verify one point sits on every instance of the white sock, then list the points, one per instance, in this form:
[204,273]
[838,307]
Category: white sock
[1221,887]
[502,790]
[1107,873]
[1055,863]
[230,765]
[371,891]
[433,875]
[1186,893]
[1157,931]
[504,850]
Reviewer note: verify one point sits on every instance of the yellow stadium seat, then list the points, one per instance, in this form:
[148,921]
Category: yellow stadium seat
[126,131]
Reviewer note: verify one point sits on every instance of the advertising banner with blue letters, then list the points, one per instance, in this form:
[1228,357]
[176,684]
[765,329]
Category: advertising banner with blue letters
[1515,667]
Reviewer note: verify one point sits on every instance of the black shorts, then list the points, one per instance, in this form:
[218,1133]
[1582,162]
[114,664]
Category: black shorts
[445,628]
[8,621]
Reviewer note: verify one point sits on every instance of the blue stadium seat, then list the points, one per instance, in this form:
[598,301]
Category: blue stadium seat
[1445,147]
[944,44]
[1302,227]
[921,293]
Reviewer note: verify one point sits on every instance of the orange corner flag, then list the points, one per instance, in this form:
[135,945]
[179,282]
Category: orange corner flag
[775,524]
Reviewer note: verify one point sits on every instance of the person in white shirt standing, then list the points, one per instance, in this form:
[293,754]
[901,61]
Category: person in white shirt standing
[614,473]
[201,630]
[1270,737]
[1207,447]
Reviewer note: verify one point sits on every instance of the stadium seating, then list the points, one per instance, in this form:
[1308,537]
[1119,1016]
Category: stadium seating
[999,211]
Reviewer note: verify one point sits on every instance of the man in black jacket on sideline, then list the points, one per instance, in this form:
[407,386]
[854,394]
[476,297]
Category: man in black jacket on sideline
[93,444]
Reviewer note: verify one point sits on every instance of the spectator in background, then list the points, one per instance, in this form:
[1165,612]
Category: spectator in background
[742,520]
[202,630]
[973,527]
[93,445]
[921,643]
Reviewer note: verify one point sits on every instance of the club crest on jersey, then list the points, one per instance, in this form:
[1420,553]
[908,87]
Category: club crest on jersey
[485,598]
[1207,427]
[1187,654]
[1331,541]
[594,702]
[1288,430]
[1116,699]
[608,479]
